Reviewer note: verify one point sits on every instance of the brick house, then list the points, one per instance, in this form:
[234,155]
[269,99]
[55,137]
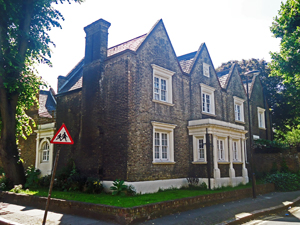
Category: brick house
[139,113]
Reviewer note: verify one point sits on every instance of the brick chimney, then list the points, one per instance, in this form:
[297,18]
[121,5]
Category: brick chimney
[96,41]
[93,69]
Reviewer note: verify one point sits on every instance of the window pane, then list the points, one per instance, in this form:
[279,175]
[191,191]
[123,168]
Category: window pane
[163,95]
[157,139]
[203,102]
[156,152]
[201,149]
[163,85]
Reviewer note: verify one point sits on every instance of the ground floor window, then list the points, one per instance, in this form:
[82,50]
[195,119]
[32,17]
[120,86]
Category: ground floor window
[163,142]
[45,149]
[221,149]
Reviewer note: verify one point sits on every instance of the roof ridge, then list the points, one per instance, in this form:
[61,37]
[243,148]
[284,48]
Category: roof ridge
[127,41]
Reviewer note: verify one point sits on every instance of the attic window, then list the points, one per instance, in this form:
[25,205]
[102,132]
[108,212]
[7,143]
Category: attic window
[205,69]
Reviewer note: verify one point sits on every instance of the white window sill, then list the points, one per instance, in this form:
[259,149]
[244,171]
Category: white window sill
[263,128]
[223,162]
[239,121]
[237,162]
[163,162]
[199,162]
[45,162]
[161,102]
[209,114]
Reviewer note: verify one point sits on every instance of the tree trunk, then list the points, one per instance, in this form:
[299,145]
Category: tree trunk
[9,153]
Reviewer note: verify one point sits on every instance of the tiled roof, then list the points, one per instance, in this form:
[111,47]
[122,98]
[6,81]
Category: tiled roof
[186,61]
[46,104]
[223,80]
[74,77]
[131,44]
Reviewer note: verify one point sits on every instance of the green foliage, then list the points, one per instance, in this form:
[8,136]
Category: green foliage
[93,186]
[4,182]
[24,42]
[69,179]
[267,146]
[291,137]
[284,167]
[274,168]
[284,181]
[118,187]
[17,188]
[32,177]
[130,190]
[45,181]
[285,63]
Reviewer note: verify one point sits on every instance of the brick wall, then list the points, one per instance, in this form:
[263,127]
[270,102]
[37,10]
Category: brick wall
[264,161]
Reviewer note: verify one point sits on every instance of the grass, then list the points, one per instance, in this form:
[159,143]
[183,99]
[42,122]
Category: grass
[130,201]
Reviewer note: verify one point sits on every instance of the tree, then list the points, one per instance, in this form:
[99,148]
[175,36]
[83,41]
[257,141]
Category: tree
[24,41]
[285,63]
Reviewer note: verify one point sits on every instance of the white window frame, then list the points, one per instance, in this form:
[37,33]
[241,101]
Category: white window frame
[207,90]
[163,128]
[166,75]
[42,151]
[239,102]
[261,118]
[225,149]
[206,70]
[196,154]
[236,148]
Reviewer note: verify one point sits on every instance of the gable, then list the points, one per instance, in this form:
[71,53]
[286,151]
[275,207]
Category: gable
[234,83]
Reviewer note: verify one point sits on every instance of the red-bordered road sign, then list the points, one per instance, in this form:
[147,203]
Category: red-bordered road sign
[62,136]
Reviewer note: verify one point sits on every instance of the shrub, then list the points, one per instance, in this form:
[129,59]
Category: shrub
[32,177]
[93,185]
[284,167]
[17,188]
[267,146]
[130,190]
[192,181]
[118,187]
[45,181]
[69,179]
[4,182]
[284,181]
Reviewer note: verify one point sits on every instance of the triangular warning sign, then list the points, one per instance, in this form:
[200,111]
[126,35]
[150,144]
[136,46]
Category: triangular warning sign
[62,136]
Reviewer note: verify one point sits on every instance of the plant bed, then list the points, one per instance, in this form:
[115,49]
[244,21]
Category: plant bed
[127,215]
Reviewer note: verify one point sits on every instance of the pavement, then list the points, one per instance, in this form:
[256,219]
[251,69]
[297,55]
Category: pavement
[235,212]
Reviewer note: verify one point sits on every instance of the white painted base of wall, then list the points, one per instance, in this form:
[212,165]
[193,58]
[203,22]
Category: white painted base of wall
[143,187]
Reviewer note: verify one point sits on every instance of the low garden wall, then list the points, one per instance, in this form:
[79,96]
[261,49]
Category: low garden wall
[134,214]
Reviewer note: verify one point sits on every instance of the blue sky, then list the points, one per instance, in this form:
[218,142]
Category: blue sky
[231,29]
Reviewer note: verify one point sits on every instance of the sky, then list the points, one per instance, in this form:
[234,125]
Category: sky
[231,29]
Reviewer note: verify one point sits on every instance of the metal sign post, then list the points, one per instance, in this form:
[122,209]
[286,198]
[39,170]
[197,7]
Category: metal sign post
[61,137]
[51,186]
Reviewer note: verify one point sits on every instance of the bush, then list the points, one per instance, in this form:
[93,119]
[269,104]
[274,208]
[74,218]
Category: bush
[118,187]
[284,181]
[4,183]
[267,146]
[130,190]
[93,185]
[69,179]
[32,177]
[17,188]
[45,181]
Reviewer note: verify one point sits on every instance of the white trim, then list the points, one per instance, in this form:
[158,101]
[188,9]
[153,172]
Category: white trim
[215,122]
[159,127]
[44,133]
[196,158]
[240,102]
[164,74]
[207,90]
[206,71]
[261,111]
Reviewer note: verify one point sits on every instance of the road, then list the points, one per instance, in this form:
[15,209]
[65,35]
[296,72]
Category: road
[286,217]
